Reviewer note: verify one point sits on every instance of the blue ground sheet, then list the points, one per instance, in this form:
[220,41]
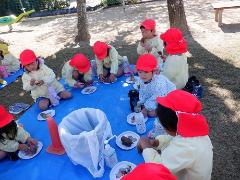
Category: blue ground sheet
[112,99]
[12,77]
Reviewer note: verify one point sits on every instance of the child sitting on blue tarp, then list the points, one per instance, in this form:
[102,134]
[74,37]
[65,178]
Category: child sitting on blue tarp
[151,85]
[12,136]
[187,149]
[109,62]
[77,72]
[41,81]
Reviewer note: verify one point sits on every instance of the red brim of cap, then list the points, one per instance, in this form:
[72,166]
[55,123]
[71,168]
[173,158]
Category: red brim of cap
[8,118]
[146,27]
[162,37]
[163,101]
[29,61]
[146,69]
[84,70]
[102,56]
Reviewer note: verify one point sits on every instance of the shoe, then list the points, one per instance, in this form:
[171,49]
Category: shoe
[198,91]
[18,108]
[23,106]
[15,109]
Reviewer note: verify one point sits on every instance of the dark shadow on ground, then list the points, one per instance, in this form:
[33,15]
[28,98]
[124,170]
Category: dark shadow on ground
[65,54]
[230,28]
[17,31]
[224,129]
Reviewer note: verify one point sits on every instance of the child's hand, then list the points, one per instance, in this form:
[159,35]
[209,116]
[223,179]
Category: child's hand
[101,78]
[89,83]
[148,48]
[23,147]
[78,85]
[39,83]
[112,77]
[32,142]
[32,82]
[144,111]
[144,143]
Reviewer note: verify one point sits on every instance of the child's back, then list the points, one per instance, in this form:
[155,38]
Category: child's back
[175,67]
[176,70]
[11,62]
[187,150]
[192,155]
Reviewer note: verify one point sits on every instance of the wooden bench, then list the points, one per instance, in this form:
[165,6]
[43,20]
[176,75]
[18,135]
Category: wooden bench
[219,7]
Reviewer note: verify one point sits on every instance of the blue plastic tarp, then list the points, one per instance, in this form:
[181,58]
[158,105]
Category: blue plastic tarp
[112,99]
[12,77]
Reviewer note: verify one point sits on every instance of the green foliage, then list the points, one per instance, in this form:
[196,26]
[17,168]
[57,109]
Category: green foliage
[8,7]
[115,2]
[55,4]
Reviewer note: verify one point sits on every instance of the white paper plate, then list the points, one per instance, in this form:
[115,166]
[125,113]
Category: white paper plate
[129,119]
[128,80]
[115,170]
[3,83]
[22,155]
[50,112]
[127,133]
[89,90]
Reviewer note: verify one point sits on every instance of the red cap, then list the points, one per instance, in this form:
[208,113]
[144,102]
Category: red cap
[100,49]
[27,57]
[176,44]
[149,24]
[146,62]
[150,171]
[5,116]
[80,62]
[188,108]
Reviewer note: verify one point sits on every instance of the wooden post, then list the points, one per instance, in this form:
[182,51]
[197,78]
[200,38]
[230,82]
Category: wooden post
[216,15]
[220,17]
[123,3]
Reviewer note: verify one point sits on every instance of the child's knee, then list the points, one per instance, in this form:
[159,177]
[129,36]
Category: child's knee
[43,104]
[2,155]
[65,95]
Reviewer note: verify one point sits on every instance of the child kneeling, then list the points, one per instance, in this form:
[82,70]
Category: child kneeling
[109,62]
[77,72]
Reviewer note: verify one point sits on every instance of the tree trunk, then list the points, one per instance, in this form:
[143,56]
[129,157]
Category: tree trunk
[83,33]
[177,15]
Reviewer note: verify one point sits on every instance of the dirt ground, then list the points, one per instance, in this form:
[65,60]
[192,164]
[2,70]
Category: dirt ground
[213,57]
